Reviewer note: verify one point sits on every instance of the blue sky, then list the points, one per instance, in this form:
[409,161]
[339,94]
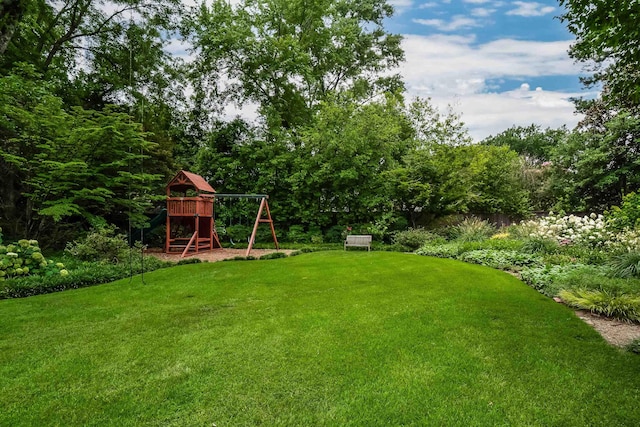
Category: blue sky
[497,63]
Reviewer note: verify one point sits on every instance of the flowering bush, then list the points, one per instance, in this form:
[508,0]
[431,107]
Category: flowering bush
[23,259]
[590,230]
[625,241]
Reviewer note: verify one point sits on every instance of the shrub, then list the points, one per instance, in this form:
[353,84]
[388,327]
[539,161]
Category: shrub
[551,279]
[627,216]
[444,250]
[585,254]
[296,234]
[274,255]
[241,258]
[414,238]
[625,306]
[634,347]
[497,244]
[626,265]
[102,244]
[25,259]
[504,260]
[87,274]
[239,233]
[335,234]
[540,245]
[590,230]
[558,259]
[625,241]
[186,261]
[471,230]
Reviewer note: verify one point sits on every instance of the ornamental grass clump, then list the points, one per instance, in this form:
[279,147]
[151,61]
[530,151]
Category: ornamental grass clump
[472,230]
[621,306]
[626,265]
[24,258]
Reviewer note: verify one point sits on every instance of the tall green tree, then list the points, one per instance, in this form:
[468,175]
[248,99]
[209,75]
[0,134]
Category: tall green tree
[289,55]
[594,169]
[345,154]
[608,38]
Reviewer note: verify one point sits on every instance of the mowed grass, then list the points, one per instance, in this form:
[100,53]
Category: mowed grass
[332,338]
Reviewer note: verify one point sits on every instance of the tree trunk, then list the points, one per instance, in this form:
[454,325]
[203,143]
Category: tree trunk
[11,12]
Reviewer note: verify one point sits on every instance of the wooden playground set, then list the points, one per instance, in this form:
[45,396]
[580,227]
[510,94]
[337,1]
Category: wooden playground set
[191,211]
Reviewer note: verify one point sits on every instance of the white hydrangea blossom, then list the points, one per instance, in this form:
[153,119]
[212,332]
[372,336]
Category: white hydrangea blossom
[571,229]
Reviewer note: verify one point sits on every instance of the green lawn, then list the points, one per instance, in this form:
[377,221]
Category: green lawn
[329,338]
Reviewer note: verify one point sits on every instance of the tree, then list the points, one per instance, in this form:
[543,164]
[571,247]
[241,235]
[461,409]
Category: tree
[59,165]
[11,12]
[344,156]
[531,142]
[289,55]
[608,37]
[594,169]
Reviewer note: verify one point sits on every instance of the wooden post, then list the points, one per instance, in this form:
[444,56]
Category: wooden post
[184,253]
[255,226]
[273,230]
[167,244]
[263,204]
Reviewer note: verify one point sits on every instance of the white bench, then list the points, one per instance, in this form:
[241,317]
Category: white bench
[363,241]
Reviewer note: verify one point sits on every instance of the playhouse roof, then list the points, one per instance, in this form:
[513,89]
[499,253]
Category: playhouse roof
[184,181]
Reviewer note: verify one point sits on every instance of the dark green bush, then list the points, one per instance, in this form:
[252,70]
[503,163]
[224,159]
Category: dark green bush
[557,259]
[414,238]
[241,258]
[274,255]
[335,234]
[585,255]
[628,214]
[239,233]
[296,234]
[186,261]
[539,245]
[102,244]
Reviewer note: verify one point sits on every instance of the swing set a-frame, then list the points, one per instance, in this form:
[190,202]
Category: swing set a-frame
[191,218]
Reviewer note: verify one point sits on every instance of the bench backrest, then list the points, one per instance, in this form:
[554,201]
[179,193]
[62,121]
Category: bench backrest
[358,239]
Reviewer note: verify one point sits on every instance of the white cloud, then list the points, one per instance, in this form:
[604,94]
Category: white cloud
[455,70]
[529,9]
[458,22]
[428,5]
[482,12]
[490,113]
[477,1]
[401,5]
